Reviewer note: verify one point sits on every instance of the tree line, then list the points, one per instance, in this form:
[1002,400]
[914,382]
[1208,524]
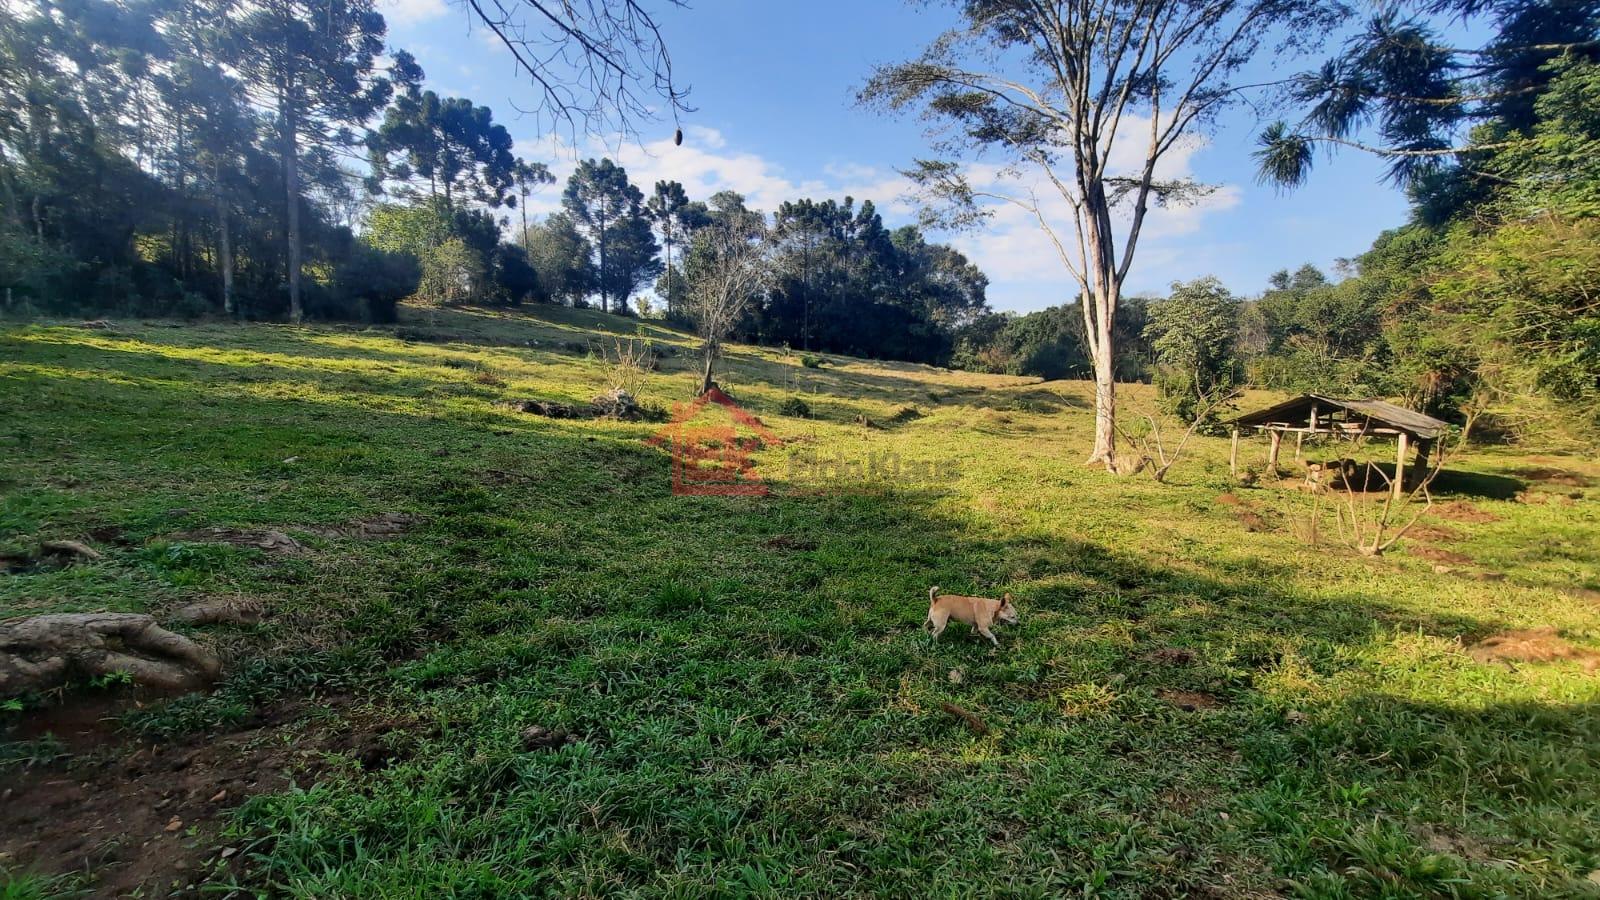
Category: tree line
[1485,299]
[1480,310]
[269,159]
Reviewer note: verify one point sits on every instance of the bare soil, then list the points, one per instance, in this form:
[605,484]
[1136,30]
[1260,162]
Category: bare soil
[262,539]
[144,818]
[1172,656]
[1532,645]
[1189,701]
[1439,555]
[1433,534]
[1463,511]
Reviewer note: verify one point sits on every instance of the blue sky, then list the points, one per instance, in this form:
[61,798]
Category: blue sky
[772,86]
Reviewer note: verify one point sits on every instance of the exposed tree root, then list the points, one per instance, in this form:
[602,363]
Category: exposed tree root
[46,652]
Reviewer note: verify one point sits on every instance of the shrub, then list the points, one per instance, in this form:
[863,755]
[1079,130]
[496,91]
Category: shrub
[794,406]
[811,362]
[370,282]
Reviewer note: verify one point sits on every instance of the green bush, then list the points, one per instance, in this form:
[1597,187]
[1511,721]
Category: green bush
[794,406]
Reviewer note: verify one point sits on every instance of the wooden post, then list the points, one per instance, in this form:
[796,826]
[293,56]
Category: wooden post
[1400,465]
[1233,457]
[1272,454]
[1299,438]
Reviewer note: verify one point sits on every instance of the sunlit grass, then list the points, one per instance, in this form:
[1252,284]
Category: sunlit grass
[760,712]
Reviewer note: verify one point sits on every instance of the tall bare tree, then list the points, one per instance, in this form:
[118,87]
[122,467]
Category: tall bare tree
[728,265]
[1063,89]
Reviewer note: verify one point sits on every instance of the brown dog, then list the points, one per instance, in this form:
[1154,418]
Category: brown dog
[979,612]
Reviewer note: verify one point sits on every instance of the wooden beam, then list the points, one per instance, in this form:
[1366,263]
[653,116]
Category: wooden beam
[1402,445]
[1233,456]
[1299,439]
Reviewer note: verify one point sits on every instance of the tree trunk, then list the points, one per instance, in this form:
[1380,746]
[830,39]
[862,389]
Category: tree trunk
[1099,315]
[1097,324]
[706,381]
[525,247]
[605,300]
[224,242]
[666,235]
[291,186]
[180,220]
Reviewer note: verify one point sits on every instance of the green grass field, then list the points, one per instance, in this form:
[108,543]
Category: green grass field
[1188,707]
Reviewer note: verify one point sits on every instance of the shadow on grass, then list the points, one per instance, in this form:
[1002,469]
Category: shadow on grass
[755,700]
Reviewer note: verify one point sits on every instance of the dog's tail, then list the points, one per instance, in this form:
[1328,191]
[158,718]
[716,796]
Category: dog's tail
[933,596]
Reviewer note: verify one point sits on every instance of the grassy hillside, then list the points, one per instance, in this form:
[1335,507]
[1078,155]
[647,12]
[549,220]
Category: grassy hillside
[1195,702]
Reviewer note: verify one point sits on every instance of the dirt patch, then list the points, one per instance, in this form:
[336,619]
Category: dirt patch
[788,542]
[110,534]
[1171,656]
[222,611]
[144,816]
[1439,555]
[1434,534]
[50,555]
[380,526]
[1440,840]
[1244,511]
[1251,520]
[1547,475]
[1462,511]
[1189,701]
[264,539]
[1582,593]
[1532,645]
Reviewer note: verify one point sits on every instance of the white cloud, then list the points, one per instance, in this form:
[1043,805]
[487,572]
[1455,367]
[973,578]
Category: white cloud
[1023,262]
[411,12]
[704,164]
[1023,265]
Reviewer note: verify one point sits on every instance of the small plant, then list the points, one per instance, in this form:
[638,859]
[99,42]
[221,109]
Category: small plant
[628,366]
[1372,521]
[1151,452]
[794,406]
[111,680]
[810,361]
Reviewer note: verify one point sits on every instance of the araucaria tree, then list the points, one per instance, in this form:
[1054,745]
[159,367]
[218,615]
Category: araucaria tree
[314,62]
[1064,89]
[448,143]
[674,217]
[608,210]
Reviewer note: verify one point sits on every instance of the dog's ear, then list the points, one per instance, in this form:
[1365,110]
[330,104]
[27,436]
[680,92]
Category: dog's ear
[1005,599]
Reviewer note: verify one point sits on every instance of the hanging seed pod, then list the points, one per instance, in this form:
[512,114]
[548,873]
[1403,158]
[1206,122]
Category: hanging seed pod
[677,138]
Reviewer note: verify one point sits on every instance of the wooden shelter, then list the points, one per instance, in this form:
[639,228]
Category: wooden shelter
[1317,414]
